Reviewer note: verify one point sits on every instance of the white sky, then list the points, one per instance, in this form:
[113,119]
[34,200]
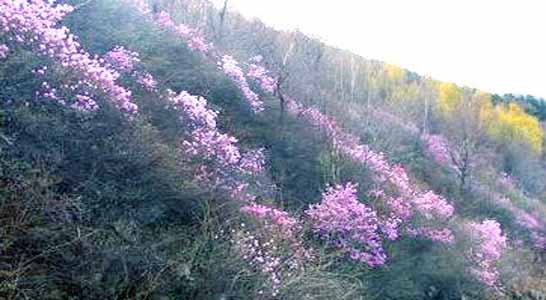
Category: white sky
[494,45]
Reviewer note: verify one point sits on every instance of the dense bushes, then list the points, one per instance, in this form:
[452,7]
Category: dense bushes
[105,205]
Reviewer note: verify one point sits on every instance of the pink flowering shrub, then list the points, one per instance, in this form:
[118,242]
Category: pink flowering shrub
[222,163]
[350,146]
[4,50]
[34,24]
[431,205]
[194,39]
[80,102]
[490,246]
[146,81]
[85,103]
[281,219]
[348,224]
[438,148]
[232,69]
[273,247]
[440,235]
[126,61]
[49,92]
[405,199]
[121,59]
[253,162]
[261,75]
[528,220]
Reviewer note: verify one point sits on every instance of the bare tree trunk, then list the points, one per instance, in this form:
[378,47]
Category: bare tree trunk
[222,20]
[369,103]
[462,162]
[425,117]
[354,74]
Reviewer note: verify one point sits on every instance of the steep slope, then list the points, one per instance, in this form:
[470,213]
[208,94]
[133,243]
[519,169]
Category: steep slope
[160,166]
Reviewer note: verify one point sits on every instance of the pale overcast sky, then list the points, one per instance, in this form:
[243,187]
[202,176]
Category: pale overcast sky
[495,45]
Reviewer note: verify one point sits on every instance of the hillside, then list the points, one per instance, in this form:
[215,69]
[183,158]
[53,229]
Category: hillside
[171,150]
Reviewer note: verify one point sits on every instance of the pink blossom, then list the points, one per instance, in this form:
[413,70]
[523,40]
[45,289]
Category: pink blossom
[440,235]
[399,207]
[196,109]
[278,217]
[275,247]
[49,92]
[194,39]
[253,162]
[390,227]
[4,50]
[232,69]
[438,147]
[34,24]
[85,103]
[405,198]
[348,224]
[528,220]
[227,166]
[121,59]
[491,244]
[430,205]
[261,75]
[147,81]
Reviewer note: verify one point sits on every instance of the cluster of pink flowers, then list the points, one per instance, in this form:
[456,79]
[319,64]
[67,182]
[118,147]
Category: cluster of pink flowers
[431,205]
[85,103]
[274,246]
[491,245]
[280,218]
[48,92]
[349,145]
[531,218]
[438,148]
[528,220]
[4,50]
[406,198]
[261,254]
[195,108]
[146,81]
[348,224]
[232,69]
[121,59]
[436,145]
[224,165]
[125,61]
[440,235]
[535,225]
[194,39]
[35,24]
[253,161]
[261,75]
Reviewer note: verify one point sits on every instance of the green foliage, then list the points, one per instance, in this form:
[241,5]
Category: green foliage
[99,207]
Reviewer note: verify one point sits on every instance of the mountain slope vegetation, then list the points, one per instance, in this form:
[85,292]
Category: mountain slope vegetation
[175,150]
